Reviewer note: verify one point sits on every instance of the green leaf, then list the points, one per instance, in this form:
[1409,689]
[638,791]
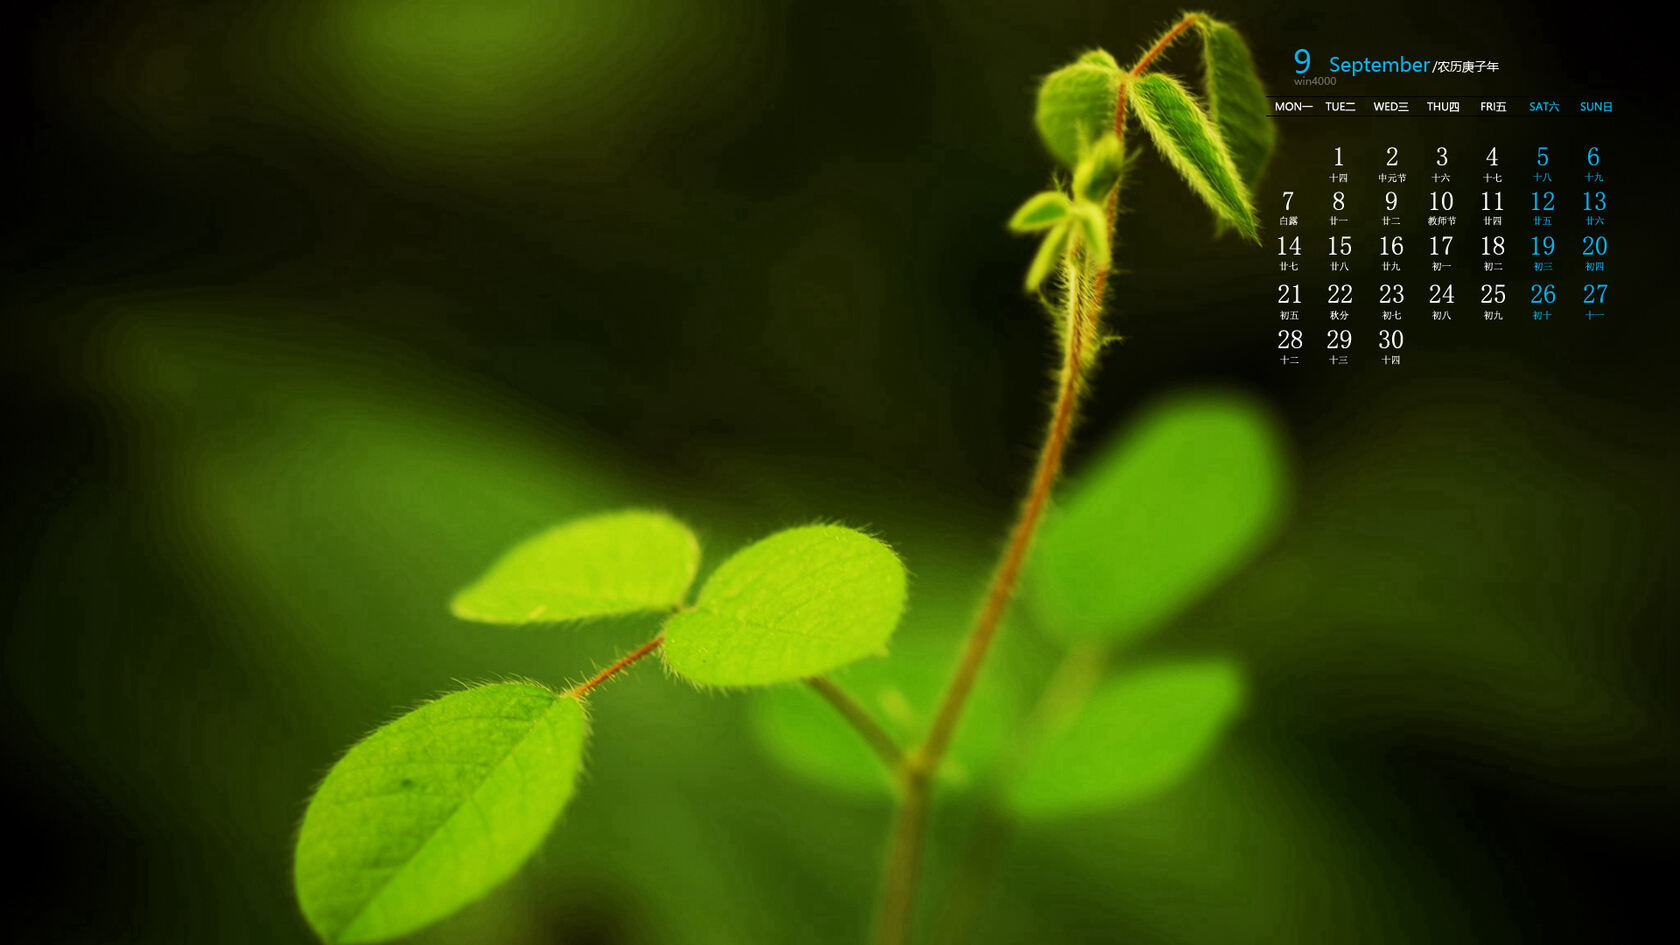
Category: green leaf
[1093,232]
[1136,736]
[1099,170]
[1099,57]
[1237,101]
[1159,518]
[1182,133]
[616,563]
[788,607]
[1076,105]
[431,811]
[1049,255]
[1041,212]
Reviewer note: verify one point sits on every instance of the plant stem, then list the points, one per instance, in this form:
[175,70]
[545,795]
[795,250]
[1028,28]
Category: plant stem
[1084,300]
[1020,536]
[1166,40]
[615,668]
[1143,62]
[977,871]
[904,856]
[1084,308]
[1063,696]
[880,741]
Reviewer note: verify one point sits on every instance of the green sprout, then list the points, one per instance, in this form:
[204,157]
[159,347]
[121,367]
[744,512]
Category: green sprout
[432,811]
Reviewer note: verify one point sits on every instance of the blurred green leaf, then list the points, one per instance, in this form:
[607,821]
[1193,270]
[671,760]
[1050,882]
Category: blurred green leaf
[1099,169]
[1076,105]
[1098,57]
[1049,255]
[1160,517]
[1092,228]
[794,605]
[1136,736]
[1041,212]
[1190,142]
[614,563]
[1237,101]
[433,810]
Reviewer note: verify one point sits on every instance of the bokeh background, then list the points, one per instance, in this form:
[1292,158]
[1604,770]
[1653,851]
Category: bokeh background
[311,308]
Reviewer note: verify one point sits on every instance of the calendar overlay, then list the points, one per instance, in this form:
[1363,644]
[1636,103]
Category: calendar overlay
[1402,218]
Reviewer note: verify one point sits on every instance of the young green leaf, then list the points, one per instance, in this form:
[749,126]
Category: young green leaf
[1076,105]
[1159,518]
[1049,254]
[1136,736]
[1098,57]
[1093,232]
[431,811]
[1236,100]
[1182,133]
[794,605]
[1041,212]
[1099,170]
[616,563]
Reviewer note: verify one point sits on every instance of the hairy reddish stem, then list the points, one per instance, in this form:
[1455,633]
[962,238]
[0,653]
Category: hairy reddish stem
[617,667]
[898,897]
[1143,62]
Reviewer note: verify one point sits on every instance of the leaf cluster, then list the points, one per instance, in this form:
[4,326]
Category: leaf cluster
[1219,144]
[433,810]
[1074,222]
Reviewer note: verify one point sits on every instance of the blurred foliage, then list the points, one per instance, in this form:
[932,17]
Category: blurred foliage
[1076,105]
[1166,513]
[1133,737]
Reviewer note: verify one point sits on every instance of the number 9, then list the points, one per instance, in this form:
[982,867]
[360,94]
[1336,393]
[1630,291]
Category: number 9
[1302,59]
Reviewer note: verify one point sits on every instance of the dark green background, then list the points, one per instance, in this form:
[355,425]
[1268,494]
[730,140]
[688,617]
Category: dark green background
[312,309]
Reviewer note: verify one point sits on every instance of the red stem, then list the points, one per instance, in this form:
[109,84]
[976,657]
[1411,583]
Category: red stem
[623,662]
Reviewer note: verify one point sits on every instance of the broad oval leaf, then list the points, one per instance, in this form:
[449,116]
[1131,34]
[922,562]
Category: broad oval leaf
[1237,101]
[794,605]
[431,811]
[1189,141]
[1158,518]
[614,563]
[1136,736]
[1076,105]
